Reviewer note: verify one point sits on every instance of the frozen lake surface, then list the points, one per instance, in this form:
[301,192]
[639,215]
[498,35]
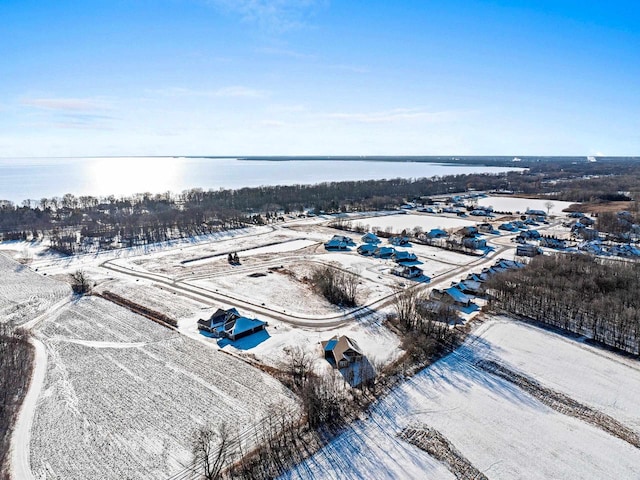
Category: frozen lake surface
[35,178]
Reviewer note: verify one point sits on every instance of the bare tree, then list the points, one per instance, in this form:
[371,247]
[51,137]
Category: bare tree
[298,364]
[80,283]
[211,449]
[549,205]
[405,302]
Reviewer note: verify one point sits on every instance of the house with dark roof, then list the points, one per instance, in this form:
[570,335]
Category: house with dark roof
[407,271]
[384,252]
[437,233]
[367,249]
[474,243]
[335,244]
[341,351]
[401,256]
[241,327]
[371,238]
[217,320]
[399,240]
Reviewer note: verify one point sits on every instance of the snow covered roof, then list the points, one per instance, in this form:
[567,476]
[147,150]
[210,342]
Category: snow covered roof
[237,326]
[457,295]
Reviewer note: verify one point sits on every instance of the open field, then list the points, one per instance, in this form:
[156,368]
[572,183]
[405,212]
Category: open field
[123,395]
[400,222]
[500,429]
[24,294]
[518,204]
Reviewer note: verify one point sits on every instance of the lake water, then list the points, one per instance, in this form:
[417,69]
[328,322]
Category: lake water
[35,178]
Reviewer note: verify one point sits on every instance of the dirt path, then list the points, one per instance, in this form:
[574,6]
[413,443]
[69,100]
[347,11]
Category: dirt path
[21,437]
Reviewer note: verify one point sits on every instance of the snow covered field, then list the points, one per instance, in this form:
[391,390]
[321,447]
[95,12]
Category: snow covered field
[24,294]
[515,204]
[503,431]
[123,395]
[400,222]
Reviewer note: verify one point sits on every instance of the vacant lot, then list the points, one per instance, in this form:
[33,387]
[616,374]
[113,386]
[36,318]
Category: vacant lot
[24,294]
[517,204]
[398,223]
[123,395]
[500,429]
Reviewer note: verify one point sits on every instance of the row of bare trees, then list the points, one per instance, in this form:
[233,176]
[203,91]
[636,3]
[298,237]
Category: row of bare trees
[337,286]
[578,293]
[16,363]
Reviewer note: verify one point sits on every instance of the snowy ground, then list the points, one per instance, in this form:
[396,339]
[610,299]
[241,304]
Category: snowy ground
[123,395]
[516,204]
[400,222]
[24,294]
[503,431]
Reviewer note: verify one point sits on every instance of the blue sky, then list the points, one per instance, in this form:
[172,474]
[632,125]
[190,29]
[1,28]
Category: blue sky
[319,77]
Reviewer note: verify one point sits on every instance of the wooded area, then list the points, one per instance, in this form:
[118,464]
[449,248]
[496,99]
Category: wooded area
[16,362]
[87,223]
[577,293]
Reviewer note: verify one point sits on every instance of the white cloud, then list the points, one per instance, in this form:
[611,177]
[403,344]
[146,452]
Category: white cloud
[65,104]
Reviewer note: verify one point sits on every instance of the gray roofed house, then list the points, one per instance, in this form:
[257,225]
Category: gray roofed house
[341,351]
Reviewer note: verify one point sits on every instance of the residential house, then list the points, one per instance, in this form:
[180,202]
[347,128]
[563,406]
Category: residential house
[552,242]
[384,252]
[371,238]
[399,240]
[526,250]
[217,320]
[474,243]
[240,327]
[407,271]
[336,245]
[367,249]
[452,295]
[401,256]
[437,233]
[341,351]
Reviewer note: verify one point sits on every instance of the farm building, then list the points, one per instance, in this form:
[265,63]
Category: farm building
[407,271]
[371,238]
[341,351]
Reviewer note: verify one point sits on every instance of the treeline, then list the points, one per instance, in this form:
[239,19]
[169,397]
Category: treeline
[576,293]
[87,223]
[16,361]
